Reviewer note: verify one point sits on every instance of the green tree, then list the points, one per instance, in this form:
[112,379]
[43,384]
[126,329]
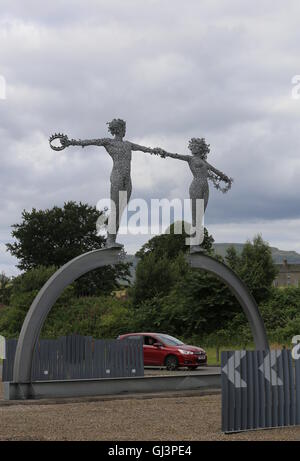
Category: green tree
[287,331]
[175,298]
[26,286]
[5,289]
[232,258]
[11,320]
[100,317]
[282,305]
[162,264]
[54,236]
[187,302]
[199,304]
[156,276]
[171,244]
[24,289]
[256,268]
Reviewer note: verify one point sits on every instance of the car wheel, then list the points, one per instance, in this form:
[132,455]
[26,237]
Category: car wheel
[171,362]
[193,368]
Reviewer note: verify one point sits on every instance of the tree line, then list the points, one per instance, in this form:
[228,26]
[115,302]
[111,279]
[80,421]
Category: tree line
[167,295]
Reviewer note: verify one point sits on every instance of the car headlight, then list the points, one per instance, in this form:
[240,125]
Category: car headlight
[182,351]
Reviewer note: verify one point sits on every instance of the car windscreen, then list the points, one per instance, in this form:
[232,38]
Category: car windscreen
[169,340]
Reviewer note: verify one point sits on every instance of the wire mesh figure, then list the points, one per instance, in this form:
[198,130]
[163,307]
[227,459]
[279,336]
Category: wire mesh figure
[202,172]
[120,151]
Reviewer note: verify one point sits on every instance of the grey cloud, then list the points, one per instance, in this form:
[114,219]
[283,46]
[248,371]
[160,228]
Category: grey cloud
[173,71]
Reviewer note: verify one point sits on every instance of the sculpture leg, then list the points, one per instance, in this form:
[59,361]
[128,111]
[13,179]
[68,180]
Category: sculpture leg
[119,198]
[198,191]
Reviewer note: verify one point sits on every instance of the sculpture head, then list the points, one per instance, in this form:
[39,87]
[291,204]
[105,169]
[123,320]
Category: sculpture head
[199,147]
[117,127]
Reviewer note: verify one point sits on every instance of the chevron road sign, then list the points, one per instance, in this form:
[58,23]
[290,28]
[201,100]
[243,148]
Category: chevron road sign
[260,389]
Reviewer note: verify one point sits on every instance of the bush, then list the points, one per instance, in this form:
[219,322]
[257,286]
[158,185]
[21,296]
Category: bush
[283,304]
[285,334]
[5,289]
[11,320]
[100,317]
[24,289]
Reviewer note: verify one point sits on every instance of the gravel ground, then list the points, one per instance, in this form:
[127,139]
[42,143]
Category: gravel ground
[159,419]
[174,418]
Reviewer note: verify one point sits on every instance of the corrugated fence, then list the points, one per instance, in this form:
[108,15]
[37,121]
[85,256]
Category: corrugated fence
[79,357]
[260,389]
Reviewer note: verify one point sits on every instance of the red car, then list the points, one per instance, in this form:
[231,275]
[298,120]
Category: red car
[164,350]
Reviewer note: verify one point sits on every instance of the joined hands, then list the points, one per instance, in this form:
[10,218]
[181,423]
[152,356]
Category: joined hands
[159,151]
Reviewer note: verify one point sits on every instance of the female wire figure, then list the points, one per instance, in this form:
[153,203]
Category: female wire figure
[202,172]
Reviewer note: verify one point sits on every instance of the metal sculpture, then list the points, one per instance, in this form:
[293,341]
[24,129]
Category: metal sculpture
[202,172]
[120,151]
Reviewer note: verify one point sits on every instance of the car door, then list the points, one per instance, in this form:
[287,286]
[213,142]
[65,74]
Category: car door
[152,354]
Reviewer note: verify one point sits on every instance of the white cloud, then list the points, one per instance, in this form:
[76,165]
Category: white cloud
[7,262]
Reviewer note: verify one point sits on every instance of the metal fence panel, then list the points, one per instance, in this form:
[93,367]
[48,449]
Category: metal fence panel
[297,378]
[8,363]
[260,389]
[79,357]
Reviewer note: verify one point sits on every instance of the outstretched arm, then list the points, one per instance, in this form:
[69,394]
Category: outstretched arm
[86,142]
[216,176]
[65,142]
[218,173]
[164,154]
[142,148]
[158,151]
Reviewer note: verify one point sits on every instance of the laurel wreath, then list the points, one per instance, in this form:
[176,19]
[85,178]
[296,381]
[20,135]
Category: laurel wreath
[63,140]
[216,180]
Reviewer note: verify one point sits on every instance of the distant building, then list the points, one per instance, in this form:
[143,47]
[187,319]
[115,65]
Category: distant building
[288,275]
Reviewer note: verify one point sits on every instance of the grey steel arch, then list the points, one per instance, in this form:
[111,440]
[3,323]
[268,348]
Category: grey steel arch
[87,262]
[46,298]
[241,292]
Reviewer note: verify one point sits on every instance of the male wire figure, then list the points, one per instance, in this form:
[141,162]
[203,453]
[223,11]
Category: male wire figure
[120,178]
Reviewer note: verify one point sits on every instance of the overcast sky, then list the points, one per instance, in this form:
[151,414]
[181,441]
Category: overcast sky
[173,70]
